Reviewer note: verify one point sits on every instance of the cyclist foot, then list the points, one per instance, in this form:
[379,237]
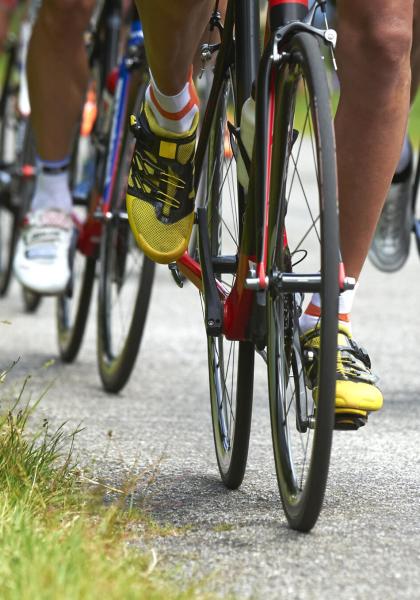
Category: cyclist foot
[160,193]
[42,261]
[391,243]
[356,392]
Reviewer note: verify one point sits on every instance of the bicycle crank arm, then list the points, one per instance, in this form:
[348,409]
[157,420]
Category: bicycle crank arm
[213,306]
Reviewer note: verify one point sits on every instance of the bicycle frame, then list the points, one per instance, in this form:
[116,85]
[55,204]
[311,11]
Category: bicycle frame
[91,230]
[229,312]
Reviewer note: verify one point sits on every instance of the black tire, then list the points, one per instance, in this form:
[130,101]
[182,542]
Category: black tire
[72,309]
[230,363]
[302,431]
[9,228]
[24,191]
[31,300]
[125,285]
[9,214]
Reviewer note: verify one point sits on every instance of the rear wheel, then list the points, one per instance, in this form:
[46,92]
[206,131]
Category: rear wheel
[125,285]
[9,213]
[73,307]
[303,239]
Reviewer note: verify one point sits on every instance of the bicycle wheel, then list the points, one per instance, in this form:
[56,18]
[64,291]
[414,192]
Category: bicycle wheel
[125,285]
[72,308]
[303,239]
[9,224]
[24,190]
[9,216]
[230,363]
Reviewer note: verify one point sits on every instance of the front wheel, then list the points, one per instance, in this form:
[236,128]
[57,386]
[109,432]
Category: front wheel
[303,239]
[230,363]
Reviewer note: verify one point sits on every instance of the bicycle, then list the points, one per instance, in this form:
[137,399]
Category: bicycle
[257,257]
[17,152]
[125,275]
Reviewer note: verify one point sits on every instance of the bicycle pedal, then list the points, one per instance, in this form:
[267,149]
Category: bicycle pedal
[176,274]
[350,420]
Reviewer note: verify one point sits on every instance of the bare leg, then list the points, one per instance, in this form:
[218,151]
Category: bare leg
[173,38]
[57,74]
[374,70]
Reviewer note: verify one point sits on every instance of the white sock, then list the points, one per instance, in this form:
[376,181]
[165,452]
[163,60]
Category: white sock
[311,316]
[173,113]
[52,189]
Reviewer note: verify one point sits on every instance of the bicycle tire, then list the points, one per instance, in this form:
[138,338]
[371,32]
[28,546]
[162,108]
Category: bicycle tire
[70,331]
[9,215]
[9,230]
[116,359]
[31,300]
[24,193]
[230,363]
[302,427]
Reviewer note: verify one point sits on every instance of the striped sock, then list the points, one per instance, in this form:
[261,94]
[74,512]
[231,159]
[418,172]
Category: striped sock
[312,314]
[173,113]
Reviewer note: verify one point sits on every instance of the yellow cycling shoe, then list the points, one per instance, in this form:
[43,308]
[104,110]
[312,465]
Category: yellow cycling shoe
[160,192]
[356,392]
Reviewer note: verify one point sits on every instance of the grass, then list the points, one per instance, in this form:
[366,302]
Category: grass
[57,537]
[222,527]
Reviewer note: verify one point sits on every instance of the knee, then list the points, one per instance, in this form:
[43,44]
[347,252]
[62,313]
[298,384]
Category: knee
[376,45]
[66,18]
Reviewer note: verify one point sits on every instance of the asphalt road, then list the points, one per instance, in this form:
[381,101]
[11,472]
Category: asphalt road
[367,541]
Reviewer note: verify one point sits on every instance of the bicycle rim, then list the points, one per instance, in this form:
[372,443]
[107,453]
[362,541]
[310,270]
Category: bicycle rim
[303,238]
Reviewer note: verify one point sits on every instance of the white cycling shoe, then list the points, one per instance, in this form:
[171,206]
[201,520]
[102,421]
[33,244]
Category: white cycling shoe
[42,259]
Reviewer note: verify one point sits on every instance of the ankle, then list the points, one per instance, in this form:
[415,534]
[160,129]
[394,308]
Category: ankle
[312,315]
[173,113]
[52,189]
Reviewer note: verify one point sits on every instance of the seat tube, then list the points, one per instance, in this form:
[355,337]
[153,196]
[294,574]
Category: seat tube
[247,46]
[284,11]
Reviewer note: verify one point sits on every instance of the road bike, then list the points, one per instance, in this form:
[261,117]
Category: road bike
[104,247]
[262,251]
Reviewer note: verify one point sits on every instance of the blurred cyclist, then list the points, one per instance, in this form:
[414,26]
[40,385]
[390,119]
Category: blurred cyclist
[57,70]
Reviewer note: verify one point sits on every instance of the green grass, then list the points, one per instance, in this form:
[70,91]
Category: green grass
[57,537]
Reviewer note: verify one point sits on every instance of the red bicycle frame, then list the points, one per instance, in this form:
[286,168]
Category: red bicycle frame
[238,302]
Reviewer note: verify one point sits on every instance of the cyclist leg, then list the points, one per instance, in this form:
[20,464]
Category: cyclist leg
[391,243]
[375,40]
[57,79]
[160,195]
[374,58]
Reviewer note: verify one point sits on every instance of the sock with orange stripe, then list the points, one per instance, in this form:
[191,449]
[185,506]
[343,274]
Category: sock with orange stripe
[311,316]
[173,113]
